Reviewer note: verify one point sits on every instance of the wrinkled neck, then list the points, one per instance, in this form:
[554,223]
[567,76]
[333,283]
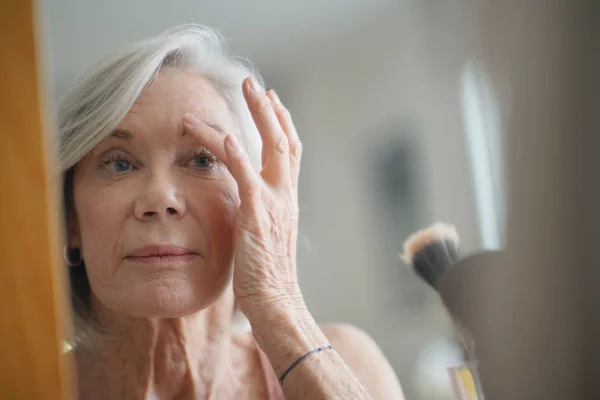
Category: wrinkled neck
[160,358]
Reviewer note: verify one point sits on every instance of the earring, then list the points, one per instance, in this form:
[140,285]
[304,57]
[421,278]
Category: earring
[67,252]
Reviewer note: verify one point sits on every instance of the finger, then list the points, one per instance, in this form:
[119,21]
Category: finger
[295,147]
[248,181]
[275,154]
[227,149]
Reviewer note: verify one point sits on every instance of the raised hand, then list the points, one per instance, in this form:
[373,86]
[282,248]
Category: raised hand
[266,222]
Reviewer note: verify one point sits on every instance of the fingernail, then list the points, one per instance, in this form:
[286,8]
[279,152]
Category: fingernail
[254,84]
[191,119]
[274,97]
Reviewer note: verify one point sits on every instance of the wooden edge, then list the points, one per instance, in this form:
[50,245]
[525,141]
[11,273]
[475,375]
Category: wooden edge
[34,319]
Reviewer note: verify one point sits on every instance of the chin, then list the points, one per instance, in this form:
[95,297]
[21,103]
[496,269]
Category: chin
[171,298]
[163,293]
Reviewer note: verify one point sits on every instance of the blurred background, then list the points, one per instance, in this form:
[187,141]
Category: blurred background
[400,129]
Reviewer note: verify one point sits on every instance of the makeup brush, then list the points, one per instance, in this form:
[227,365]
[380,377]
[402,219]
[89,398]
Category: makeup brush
[431,252]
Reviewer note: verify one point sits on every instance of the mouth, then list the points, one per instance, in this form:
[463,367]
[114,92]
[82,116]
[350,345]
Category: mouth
[162,255]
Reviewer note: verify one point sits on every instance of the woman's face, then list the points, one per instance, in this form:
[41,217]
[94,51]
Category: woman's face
[154,209]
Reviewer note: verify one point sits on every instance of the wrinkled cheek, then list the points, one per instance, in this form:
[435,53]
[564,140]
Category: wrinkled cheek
[99,252]
[223,229]
[98,265]
[229,202]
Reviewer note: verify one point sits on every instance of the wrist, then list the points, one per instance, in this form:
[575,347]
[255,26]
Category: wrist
[267,307]
[287,335]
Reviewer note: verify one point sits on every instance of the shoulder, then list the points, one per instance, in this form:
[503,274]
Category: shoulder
[365,359]
[353,344]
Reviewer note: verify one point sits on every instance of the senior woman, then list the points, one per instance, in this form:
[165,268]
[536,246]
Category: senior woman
[180,193]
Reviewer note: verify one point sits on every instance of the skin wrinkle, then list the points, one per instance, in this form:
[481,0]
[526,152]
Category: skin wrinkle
[189,352]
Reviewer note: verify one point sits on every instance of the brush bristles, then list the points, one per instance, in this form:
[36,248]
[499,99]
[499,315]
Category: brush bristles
[432,251]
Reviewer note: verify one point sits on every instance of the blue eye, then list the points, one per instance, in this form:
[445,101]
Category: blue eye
[203,159]
[202,162]
[118,163]
[121,165]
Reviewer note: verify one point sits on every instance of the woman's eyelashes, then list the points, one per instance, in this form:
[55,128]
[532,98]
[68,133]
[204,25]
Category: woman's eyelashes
[118,162]
[202,159]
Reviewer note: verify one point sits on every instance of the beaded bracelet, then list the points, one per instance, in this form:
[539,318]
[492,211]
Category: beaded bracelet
[298,361]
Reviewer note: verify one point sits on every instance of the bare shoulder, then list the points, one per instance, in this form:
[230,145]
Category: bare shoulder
[365,359]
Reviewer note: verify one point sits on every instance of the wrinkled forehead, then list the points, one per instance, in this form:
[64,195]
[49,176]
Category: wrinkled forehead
[175,91]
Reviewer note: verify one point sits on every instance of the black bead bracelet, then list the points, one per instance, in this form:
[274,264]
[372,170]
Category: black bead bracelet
[298,361]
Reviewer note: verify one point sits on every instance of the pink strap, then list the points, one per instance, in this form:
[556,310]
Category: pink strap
[273,388]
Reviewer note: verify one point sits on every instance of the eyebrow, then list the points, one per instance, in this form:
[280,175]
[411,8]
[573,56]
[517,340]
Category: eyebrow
[127,136]
[122,135]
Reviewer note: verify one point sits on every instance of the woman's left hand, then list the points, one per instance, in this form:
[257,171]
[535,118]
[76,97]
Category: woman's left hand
[266,222]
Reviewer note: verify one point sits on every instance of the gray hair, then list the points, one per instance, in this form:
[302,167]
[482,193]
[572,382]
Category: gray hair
[103,96]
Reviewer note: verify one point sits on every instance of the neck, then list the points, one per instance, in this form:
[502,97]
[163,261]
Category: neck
[174,358]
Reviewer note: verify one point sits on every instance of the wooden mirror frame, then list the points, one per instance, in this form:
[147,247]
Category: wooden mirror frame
[34,320]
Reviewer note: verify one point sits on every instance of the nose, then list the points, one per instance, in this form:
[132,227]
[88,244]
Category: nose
[160,199]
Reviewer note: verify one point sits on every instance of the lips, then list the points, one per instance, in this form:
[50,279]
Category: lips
[162,255]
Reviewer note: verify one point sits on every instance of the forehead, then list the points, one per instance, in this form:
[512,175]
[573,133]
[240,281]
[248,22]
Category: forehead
[174,92]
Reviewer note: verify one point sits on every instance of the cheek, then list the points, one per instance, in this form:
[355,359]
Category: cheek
[223,233]
[100,217]
[216,211]
[228,204]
